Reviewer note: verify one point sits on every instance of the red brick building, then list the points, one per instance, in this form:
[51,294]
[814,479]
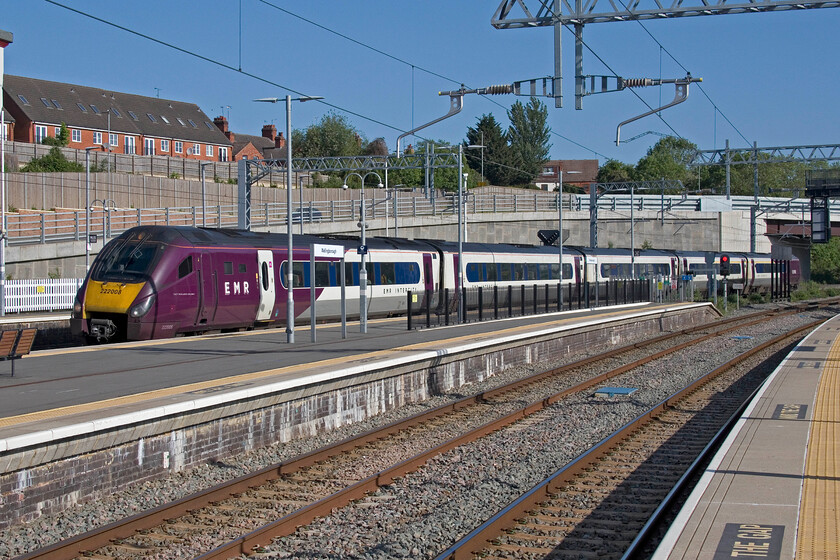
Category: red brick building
[576,173]
[253,147]
[125,123]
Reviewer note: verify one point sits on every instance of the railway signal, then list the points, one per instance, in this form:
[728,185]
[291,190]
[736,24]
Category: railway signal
[724,265]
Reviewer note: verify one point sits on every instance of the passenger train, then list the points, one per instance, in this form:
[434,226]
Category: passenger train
[159,281]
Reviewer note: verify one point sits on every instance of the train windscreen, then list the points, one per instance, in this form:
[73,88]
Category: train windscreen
[129,260]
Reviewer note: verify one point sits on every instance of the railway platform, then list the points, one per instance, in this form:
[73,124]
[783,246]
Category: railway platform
[773,489]
[80,421]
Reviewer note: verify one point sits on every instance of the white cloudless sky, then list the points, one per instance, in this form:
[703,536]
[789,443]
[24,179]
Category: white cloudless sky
[772,75]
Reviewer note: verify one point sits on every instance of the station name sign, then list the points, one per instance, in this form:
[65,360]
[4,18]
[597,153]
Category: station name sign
[328,251]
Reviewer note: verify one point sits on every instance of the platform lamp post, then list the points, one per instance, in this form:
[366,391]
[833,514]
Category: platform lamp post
[560,224]
[203,166]
[363,249]
[290,299]
[6,38]
[87,207]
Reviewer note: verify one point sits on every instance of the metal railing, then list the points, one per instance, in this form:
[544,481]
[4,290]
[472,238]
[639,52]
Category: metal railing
[31,227]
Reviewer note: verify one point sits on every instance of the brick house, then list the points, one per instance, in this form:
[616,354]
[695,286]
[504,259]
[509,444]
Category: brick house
[576,173]
[136,124]
[253,147]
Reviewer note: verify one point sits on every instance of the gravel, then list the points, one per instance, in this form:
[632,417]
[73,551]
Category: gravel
[425,512]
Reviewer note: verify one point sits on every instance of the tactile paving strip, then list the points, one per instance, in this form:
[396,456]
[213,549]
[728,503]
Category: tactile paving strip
[819,518]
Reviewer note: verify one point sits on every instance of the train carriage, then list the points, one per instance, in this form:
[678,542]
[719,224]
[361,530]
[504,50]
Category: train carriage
[160,281]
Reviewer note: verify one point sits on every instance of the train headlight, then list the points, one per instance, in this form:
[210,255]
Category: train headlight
[77,306]
[142,308]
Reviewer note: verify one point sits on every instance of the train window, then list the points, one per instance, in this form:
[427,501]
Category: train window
[406,273]
[322,273]
[518,271]
[387,273]
[491,272]
[185,267]
[735,269]
[505,272]
[265,280]
[228,267]
[129,259]
[243,268]
[474,272]
[533,271]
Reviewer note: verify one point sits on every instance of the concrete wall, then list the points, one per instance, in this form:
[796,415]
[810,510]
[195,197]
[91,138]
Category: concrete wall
[683,231]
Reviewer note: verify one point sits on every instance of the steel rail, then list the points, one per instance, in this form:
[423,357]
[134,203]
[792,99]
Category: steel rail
[113,532]
[473,543]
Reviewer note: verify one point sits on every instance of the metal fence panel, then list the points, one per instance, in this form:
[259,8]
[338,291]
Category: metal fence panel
[41,294]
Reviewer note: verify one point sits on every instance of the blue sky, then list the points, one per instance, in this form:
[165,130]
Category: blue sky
[774,75]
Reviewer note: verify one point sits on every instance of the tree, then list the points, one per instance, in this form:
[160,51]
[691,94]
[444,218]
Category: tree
[669,158]
[528,136]
[614,171]
[376,147]
[53,162]
[62,140]
[333,136]
[825,262]
[497,155]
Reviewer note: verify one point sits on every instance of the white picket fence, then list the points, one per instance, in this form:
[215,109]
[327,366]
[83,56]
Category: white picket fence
[23,296]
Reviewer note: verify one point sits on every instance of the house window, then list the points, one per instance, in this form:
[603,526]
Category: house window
[164,119]
[133,115]
[97,138]
[151,117]
[57,131]
[192,123]
[46,103]
[23,99]
[209,152]
[223,154]
[57,104]
[130,145]
[40,134]
[196,149]
[76,135]
[149,146]
[81,107]
[95,109]
[164,146]
[116,112]
[180,120]
[113,140]
[547,171]
[179,147]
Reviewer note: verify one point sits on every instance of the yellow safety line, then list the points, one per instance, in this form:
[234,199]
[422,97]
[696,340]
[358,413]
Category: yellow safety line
[819,519]
[241,378]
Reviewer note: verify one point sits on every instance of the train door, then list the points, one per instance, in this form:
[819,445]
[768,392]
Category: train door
[208,291]
[745,274]
[576,271]
[265,265]
[428,279]
[675,270]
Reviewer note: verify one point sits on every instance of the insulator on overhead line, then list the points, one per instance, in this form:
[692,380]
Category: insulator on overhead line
[637,82]
[499,90]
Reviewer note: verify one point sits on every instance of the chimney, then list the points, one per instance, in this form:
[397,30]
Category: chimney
[269,131]
[222,124]
[280,141]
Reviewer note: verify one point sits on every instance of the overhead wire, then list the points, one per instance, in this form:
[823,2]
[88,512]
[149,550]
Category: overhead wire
[700,87]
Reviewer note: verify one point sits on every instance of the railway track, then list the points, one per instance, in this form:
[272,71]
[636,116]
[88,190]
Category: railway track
[239,516]
[610,499]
